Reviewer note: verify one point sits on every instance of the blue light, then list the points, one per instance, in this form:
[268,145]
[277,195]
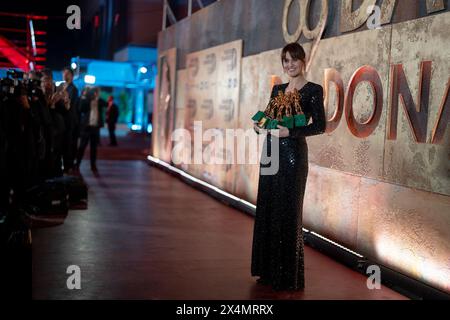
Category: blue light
[143,70]
[149,128]
[73,65]
[139,108]
[136,127]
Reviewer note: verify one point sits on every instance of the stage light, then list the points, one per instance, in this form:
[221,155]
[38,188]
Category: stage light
[89,79]
[136,127]
[73,65]
[201,182]
[149,128]
[58,83]
[143,70]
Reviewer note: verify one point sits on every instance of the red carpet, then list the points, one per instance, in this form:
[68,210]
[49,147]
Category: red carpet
[147,235]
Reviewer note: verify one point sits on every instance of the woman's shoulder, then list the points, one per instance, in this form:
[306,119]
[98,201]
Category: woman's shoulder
[315,86]
[280,86]
[277,88]
[310,86]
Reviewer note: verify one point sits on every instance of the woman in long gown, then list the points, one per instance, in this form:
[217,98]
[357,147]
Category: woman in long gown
[277,253]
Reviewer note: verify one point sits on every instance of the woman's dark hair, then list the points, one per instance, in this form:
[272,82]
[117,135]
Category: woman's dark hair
[295,50]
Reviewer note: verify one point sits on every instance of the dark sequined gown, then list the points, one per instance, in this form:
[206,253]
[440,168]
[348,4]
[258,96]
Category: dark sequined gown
[277,253]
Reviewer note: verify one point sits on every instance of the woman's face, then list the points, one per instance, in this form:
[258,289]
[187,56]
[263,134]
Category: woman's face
[292,67]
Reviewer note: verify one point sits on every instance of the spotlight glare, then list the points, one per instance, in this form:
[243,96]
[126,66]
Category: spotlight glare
[143,70]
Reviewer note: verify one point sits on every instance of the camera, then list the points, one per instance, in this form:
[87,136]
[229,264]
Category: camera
[33,88]
[12,86]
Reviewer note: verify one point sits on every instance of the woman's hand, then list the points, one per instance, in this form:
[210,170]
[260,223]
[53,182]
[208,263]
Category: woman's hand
[258,129]
[283,132]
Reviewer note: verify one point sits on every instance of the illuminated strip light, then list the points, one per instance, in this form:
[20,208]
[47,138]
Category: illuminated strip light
[336,244]
[33,38]
[203,183]
[188,176]
[18,15]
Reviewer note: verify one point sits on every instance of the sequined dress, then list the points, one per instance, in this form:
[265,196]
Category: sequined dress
[277,251]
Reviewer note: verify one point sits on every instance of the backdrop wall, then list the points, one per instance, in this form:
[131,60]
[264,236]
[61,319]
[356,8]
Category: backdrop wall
[379,180]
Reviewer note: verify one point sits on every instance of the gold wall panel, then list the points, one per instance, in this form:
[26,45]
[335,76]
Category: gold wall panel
[402,228]
[406,229]
[328,212]
[340,149]
[180,106]
[421,165]
[247,174]
[212,97]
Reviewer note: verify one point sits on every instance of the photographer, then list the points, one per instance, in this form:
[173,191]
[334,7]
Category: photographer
[91,120]
[4,190]
[72,121]
[43,124]
[19,127]
[58,103]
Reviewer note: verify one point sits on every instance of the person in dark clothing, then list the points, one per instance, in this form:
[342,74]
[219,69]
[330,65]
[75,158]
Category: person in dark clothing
[44,131]
[71,120]
[278,248]
[21,142]
[58,102]
[112,115]
[91,120]
[17,120]
[39,118]
[4,190]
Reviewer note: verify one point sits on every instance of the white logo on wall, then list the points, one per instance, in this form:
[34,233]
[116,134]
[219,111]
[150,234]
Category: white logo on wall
[374,21]
[74,280]
[74,20]
[374,280]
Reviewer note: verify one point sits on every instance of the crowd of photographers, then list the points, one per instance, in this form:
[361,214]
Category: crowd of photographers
[44,130]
